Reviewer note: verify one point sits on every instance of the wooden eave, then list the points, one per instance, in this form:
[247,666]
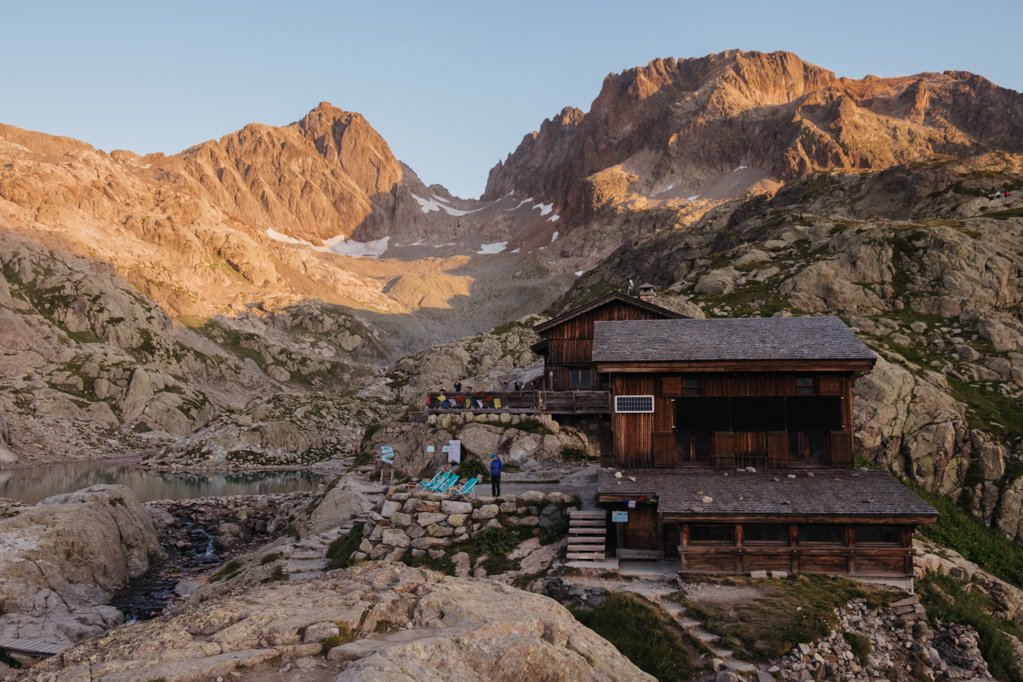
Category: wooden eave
[650,367]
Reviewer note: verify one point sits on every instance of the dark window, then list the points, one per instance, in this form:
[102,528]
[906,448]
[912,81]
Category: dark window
[695,446]
[822,533]
[758,414]
[765,532]
[711,533]
[703,414]
[691,387]
[815,414]
[808,447]
[580,377]
[879,535]
[805,386]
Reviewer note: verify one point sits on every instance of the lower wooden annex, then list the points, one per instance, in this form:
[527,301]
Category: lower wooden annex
[833,521]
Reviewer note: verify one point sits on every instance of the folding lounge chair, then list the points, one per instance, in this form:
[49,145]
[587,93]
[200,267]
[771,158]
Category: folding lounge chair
[447,483]
[433,481]
[467,489]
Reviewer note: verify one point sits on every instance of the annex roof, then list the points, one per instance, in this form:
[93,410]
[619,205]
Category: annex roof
[830,492]
[754,338]
[604,300]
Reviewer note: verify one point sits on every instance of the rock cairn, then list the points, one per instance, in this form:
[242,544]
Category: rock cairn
[427,524]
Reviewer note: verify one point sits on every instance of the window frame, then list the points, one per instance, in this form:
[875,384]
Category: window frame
[878,543]
[840,528]
[574,372]
[783,541]
[728,542]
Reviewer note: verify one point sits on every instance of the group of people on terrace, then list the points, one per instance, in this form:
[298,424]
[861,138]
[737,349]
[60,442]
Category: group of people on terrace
[467,399]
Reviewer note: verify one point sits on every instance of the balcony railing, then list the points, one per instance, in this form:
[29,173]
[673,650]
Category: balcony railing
[520,402]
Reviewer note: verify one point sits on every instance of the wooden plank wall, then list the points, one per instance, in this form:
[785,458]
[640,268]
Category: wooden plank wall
[571,342]
[642,441]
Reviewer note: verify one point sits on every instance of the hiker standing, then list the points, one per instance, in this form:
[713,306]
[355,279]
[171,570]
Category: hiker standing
[496,467]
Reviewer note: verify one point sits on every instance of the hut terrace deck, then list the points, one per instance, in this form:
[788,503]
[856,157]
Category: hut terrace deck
[517,402]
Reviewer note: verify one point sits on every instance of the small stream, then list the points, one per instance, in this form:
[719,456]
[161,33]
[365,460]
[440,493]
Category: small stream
[190,551]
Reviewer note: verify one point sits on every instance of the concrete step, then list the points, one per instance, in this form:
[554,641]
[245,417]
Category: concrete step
[587,514]
[585,556]
[704,636]
[586,531]
[306,556]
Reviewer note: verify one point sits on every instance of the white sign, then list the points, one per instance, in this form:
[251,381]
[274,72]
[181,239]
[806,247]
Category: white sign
[454,450]
[619,517]
[632,504]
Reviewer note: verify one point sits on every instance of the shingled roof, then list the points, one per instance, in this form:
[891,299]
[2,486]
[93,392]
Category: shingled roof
[755,338]
[832,492]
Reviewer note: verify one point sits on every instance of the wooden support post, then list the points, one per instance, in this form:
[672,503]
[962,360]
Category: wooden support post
[850,541]
[794,548]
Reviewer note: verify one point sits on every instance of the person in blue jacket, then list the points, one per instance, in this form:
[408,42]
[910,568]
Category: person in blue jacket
[496,467]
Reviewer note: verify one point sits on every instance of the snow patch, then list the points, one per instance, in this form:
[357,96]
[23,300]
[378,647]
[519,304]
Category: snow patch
[521,204]
[436,203]
[373,249]
[693,198]
[338,245]
[493,247]
[544,208]
[554,218]
[739,168]
[515,250]
[554,236]
[281,237]
[580,273]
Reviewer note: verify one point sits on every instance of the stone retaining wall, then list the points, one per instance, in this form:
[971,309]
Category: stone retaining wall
[427,524]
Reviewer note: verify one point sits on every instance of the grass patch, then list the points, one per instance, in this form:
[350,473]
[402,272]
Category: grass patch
[790,611]
[343,637]
[269,558]
[947,601]
[1005,215]
[989,410]
[277,575]
[226,571]
[643,634]
[960,531]
[339,553]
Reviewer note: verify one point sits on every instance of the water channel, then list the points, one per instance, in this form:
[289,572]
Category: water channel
[31,484]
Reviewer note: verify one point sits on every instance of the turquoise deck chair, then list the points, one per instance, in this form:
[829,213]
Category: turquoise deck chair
[447,483]
[467,489]
[433,481]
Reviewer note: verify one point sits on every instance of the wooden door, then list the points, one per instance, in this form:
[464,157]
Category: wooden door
[641,530]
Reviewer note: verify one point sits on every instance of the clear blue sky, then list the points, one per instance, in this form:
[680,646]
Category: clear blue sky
[452,86]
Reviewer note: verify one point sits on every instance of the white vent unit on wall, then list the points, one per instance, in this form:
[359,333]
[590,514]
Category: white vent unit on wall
[634,404]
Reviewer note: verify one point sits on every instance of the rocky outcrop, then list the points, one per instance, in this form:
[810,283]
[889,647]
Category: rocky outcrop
[720,125]
[894,643]
[376,622]
[62,559]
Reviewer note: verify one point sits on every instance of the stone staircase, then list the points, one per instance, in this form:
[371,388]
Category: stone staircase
[587,532]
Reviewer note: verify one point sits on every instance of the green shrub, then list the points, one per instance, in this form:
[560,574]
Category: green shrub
[574,455]
[859,645]
[277,575]
[269,558]
[473,467]
[443,564]
[642,634]
[339,553]
[947,601]
[496,541]
[226,571]
[554,532]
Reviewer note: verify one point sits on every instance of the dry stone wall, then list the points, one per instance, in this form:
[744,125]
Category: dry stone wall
[425,525]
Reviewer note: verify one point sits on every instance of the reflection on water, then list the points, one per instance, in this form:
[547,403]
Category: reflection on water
[34,483]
